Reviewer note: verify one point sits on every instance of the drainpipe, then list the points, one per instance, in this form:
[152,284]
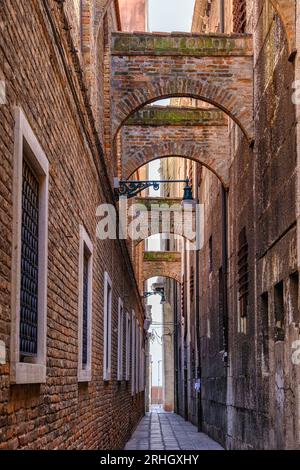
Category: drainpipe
[224,233]
[176,361]
[222,16]
[197,316]
[225,272]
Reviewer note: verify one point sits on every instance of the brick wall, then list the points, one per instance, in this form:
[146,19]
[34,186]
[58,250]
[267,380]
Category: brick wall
[217,70]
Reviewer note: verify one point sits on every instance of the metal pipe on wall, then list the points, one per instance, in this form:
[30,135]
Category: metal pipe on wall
[197,325]
[225,272]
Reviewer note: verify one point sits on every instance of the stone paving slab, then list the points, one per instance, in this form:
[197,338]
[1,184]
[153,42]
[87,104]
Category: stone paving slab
[159,430]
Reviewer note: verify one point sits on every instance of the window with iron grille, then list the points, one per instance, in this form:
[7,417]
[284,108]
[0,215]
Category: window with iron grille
[279,311]
[239,16]
[221,310]
[133,352]
[294,297]
[137,355]
[128,332]
[29,263]
[85,307]
[107,326]
[210,254]
[29,256]
[264,311]
[120,339]
[192,283]
[243,273]
[182,297]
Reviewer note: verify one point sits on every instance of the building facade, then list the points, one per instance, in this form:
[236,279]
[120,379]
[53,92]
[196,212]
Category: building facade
[70,306]
[76,117]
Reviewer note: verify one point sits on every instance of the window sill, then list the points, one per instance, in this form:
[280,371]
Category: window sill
[84,375]
[25,373]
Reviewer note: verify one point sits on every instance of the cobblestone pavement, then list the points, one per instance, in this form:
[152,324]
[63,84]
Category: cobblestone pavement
[159,430]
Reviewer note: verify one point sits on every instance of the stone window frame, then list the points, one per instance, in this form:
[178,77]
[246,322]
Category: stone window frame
[120,339]
[142,362]
[137,356]
[127,349]
[33,371]
[85,243]
[133,352]
[143,370]
[107,327]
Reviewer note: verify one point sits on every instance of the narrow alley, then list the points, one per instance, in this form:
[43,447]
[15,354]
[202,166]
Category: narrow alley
[160,430]
[149,225]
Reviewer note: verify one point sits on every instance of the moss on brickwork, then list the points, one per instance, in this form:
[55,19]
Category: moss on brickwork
[166,44]
[174,116]
[162,256]
[159,203]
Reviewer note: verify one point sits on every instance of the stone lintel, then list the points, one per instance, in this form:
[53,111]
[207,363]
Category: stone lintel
[162,256]
[158,203]
[181,44]
[175,116]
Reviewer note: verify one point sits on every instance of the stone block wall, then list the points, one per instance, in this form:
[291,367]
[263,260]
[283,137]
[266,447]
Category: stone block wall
[260,387]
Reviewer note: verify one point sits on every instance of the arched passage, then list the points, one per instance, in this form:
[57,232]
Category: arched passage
[216,162]
[173,231]
[155,132]
[162,264]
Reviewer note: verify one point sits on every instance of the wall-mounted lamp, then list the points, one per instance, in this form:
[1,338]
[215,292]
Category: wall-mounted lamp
[131,189]
[156,291]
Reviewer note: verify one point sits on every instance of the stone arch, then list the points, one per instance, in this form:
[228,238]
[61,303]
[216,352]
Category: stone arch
[164,215]
[167,277]
[163,273]
[218,163]
[162,264]
[232,104]
[170,232]
[218,69]
[286,10]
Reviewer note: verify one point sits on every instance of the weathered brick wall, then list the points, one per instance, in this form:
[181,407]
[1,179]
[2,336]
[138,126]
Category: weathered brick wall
[263,412]
[202,142]
[148,67]
[162,264]
[60,413]
[275,183]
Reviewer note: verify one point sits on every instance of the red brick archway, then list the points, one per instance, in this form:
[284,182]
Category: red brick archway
[166,217]
[199,134]
[216,69]
[212,153]
[162,264]
[170,232]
